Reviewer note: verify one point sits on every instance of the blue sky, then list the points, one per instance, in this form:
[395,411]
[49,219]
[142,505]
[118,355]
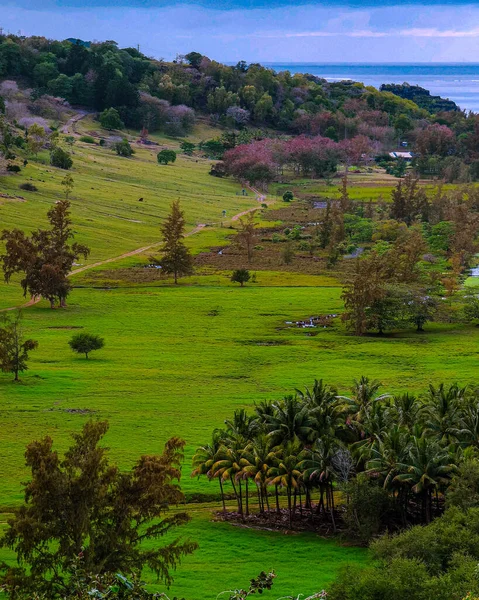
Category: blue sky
[263,30]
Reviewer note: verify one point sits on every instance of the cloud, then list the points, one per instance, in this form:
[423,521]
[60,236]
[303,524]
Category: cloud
[299,33]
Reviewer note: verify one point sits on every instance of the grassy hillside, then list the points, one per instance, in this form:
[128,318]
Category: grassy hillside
[179,359]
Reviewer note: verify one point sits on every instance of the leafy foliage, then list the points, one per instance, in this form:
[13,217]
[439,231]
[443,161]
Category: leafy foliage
[82,507]
[84,343]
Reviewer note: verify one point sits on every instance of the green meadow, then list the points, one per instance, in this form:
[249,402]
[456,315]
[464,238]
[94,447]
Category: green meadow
[179,359]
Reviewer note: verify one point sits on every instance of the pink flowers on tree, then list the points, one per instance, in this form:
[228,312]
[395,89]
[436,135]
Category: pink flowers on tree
[261,161]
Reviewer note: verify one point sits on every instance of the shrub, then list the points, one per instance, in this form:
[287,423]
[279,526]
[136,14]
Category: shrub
[61,159]
[288,196]
[123,148]
[84,343]
[88,139]
[13,168]
[166,156]
[29,187]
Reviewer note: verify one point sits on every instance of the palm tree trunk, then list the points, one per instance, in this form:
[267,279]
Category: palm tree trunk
[267,498]
[236,495]
[241,499]
[247,498]
[222,494]
[277,498]
[288,492]
[260,503]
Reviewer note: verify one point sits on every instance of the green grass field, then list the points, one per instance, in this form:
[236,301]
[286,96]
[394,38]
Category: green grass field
[169,367]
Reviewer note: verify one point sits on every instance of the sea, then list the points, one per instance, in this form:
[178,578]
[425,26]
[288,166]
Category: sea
[456,81]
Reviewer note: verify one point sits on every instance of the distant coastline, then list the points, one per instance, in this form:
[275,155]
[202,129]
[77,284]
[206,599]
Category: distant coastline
[457,81]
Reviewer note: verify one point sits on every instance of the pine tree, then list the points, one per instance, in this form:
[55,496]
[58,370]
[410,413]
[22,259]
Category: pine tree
[177,258]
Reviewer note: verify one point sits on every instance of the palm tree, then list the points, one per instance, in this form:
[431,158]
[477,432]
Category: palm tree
[443,411]
[426,468]
[256,462]
[467,430]
[287,472]
[404,409]
[322,405]
[318,471]
[228,465]
[290,421]
[242,424]
[204,460]
[364,396]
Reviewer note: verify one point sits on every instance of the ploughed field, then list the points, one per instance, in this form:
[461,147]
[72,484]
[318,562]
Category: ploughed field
[179,359]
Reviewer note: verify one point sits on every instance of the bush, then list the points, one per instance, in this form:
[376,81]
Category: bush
[88,139]
[166,156]
[61,159]
[288,196]
[123,148]
[13,168]
[29,187]
[368,509]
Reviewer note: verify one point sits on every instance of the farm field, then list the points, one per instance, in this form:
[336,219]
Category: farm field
[179,359]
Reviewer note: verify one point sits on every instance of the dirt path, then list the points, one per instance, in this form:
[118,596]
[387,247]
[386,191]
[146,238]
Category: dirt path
[261,198]
[69,127]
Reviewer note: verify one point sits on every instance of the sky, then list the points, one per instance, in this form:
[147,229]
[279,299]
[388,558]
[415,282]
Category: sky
[385,31]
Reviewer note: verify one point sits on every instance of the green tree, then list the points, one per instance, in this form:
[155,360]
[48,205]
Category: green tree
[14,348]
[176,259]
[471,307]
[124,148]
[166,156]
[110,119]
[84,343]
[45,258]
[187,147]
[83,506]
[36,138]
[68,185]
[241,276]
[61,159]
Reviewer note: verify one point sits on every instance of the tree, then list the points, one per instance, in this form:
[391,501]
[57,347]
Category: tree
[187,147]
[84,343]
[36,138]
[68,184]
[409,201]
[365,287]
[14,349]
[288,254]
[123,148]
[81,506]
[110,119]
[45,258]
[246,235]
[61,159]
[288,196]
[420,308]
[471,307]
[176,258]
[166,156]
[241,276]
[194,58]
[70,140]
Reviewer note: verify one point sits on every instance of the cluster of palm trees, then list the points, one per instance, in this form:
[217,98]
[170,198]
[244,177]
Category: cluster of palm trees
[316,441]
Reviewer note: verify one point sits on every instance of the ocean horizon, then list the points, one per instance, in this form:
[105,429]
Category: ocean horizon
[456,81]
